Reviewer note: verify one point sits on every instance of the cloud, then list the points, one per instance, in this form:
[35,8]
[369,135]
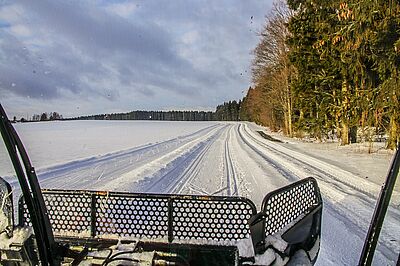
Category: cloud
[124,10]
[146,54]
[21,30]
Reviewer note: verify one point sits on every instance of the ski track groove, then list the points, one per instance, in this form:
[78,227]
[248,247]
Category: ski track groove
[197,162]
[192,171]
[288,175]
[145,184]
[179,180]
[231,176]
[241,144]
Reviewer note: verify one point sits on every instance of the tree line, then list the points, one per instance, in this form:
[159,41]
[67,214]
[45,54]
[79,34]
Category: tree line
[228,111]
[328,69]
[50,116]
[47,116]
[153,115]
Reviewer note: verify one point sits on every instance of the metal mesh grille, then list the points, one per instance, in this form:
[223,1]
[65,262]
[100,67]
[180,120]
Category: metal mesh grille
[218,220]
[131,216]
[283,206]
[99,214]
[68,213]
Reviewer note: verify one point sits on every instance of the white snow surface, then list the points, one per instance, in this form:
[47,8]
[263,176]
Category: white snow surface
[217,158]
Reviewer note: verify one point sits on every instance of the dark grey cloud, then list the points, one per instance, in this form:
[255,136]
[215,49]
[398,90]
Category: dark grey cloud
[98,31]
[193,52]
[28,74]
[21,73]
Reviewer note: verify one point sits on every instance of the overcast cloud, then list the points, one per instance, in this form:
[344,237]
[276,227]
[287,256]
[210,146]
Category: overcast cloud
[87,57]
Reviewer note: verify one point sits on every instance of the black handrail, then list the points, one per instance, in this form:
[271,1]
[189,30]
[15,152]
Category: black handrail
[31,190]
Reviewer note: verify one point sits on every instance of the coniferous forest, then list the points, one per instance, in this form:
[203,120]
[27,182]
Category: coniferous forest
[228,111]
[328,69]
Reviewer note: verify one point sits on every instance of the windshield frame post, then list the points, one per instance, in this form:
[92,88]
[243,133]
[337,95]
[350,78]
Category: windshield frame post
[31,192]
[381,207]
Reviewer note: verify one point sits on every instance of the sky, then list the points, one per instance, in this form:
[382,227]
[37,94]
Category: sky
[93,57]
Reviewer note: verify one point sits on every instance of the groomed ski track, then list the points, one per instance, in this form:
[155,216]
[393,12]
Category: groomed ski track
[232,159]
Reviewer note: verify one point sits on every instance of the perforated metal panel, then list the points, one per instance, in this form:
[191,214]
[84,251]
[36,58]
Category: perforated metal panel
[68,212]
[283,206]
[137,217]
[211,219]
[100,214]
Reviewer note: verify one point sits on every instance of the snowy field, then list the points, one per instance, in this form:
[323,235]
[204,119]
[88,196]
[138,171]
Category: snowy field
[216,158]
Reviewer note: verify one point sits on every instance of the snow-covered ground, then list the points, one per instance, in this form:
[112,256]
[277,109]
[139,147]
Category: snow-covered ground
[217,158]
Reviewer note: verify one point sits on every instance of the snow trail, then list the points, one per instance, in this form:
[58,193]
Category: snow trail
[232,159]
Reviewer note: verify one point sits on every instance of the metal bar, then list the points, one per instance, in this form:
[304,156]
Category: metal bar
[152,195]
[93,216]
[21,219]
[375,227]
[170,220]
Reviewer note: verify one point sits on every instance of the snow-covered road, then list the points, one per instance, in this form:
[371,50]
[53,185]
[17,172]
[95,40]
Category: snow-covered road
[233,159]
